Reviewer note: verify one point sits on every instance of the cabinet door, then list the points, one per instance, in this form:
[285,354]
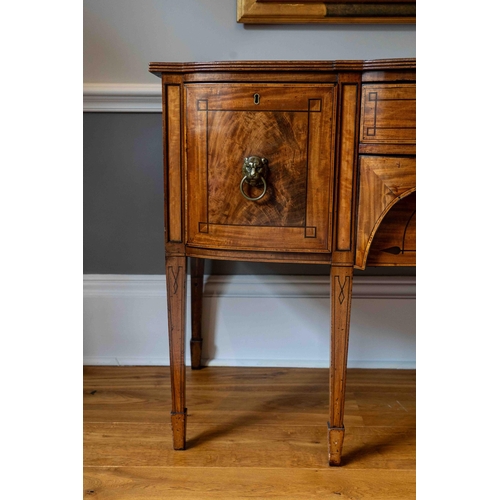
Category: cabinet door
[386,221]
[287,127]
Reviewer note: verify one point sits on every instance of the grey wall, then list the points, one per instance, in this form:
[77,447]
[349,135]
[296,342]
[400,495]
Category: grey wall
[123,226]
[122,36]
[122,193]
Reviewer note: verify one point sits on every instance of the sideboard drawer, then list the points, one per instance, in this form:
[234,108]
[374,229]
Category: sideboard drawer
[284,132]
[388,114]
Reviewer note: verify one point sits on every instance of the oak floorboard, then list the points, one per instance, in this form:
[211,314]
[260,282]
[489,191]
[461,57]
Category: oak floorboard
[149,445]
[252,433]
[188,483]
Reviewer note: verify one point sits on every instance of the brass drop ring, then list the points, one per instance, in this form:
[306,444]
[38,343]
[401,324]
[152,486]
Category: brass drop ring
[248,197]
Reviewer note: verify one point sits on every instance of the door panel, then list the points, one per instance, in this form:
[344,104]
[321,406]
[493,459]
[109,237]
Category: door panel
[288,125]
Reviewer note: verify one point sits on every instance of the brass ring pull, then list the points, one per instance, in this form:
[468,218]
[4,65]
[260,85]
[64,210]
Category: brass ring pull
[248,197]
[254,171]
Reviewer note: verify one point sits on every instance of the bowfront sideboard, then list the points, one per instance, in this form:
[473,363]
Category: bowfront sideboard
[285,161]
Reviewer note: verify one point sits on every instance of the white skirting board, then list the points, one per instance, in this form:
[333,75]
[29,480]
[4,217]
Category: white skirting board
[279,321]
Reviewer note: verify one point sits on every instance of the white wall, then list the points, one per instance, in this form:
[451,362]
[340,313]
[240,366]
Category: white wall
[251,321]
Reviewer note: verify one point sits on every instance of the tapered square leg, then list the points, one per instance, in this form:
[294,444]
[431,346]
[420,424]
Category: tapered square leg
[335,443]
[179,429]
[197,266]
[340,297]
[176,306]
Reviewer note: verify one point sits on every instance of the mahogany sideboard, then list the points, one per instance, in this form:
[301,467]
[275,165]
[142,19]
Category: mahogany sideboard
[285,161]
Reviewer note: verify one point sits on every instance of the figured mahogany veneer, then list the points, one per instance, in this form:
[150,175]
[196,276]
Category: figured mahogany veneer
[291,127]
[329,177]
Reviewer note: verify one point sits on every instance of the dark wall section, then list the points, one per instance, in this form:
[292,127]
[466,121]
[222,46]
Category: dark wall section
[122,193]
[123,202]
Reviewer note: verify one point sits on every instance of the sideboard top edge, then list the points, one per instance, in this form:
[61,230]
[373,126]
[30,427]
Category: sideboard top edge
[279,66]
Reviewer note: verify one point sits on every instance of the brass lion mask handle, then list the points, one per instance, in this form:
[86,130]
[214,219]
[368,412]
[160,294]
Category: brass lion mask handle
[255,169]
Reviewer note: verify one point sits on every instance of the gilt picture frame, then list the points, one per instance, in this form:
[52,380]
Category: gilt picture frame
[326,12]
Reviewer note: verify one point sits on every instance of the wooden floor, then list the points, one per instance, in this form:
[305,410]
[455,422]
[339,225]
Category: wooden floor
[253,433]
